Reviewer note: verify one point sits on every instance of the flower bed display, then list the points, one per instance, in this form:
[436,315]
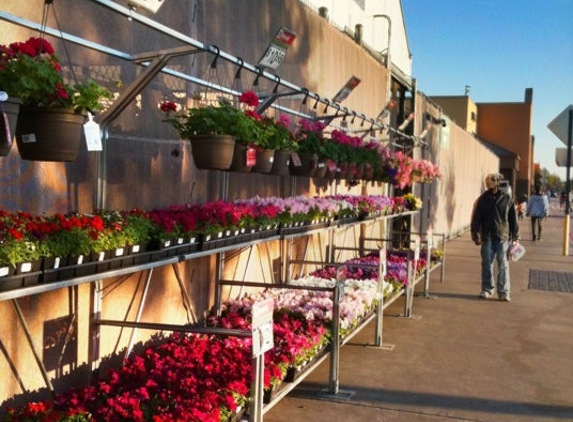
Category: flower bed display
[72,245]
[208,378]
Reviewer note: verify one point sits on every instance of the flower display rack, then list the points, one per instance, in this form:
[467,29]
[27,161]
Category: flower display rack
[296,374]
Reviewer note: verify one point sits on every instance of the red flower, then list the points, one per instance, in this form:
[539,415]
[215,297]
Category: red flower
[249,98]
[168,106]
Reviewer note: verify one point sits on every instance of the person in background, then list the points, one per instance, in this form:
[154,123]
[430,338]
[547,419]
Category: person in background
[537,209]
[493,227]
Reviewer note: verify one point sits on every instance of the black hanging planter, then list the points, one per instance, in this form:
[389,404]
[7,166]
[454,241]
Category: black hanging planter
[49,134]
[212,151]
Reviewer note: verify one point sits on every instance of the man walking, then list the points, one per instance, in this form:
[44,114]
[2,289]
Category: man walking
[494,226]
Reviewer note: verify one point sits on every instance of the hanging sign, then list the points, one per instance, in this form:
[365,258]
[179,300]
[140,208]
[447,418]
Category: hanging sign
[277,49]
[346,89]
[262,327]
[92,135]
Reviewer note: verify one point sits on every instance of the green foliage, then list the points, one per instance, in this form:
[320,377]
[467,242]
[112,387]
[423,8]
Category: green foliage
[31,72]
[223,119]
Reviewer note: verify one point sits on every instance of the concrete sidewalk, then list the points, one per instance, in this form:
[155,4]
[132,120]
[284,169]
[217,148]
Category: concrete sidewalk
[461,358]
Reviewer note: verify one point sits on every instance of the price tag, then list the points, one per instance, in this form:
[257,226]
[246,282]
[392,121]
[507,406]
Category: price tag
[295,159]
[262,327]
[417,249]
[340,286]
[92,135]
[346,89]
[383,263]
[6,127]
[28,138]
[276,51]
[251,157]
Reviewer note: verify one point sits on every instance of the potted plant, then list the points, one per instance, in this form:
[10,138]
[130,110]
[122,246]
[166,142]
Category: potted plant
[20,261]
[310,140]
[52,113]
[282,141]
[212,131]
[65,243]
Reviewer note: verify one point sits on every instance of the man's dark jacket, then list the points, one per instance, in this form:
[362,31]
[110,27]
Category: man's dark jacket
[494,217]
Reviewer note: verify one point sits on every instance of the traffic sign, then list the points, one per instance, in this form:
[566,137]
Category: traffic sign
[560,125]
[561,157]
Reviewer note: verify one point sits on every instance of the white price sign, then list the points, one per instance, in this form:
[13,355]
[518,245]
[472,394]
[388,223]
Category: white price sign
[277,50]
[92,135]
[262,327]
[383,263]
[417,249]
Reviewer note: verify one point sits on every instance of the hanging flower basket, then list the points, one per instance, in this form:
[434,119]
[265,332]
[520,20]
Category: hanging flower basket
[213,152]
[10,109]
[49,134]
[242,161]
[281,162]
[265,158]
[307,167]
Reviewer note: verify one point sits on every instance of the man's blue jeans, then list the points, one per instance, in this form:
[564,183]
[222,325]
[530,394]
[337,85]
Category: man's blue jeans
[490,250]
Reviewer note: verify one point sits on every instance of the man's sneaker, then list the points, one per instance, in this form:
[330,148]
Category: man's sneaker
[504,297]
[485,294]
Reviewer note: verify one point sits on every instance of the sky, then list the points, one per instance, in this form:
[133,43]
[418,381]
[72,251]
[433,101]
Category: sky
[499,48]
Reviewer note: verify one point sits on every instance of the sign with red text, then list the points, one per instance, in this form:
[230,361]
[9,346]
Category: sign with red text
[277,49]
[346,89]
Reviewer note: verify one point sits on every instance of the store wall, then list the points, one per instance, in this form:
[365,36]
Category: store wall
[150,167]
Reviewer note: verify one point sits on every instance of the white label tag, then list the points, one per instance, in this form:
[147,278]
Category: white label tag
[93,135]
[26,267]
[262,326]
[29,138]
[4,271]
[7,128]
[295,159]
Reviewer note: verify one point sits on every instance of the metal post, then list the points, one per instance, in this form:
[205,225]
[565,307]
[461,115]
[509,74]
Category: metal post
[139,313]
[568,185]
[429,244]
[380,308]
[32,346]
[333,381]
[256,410]
[409,289]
